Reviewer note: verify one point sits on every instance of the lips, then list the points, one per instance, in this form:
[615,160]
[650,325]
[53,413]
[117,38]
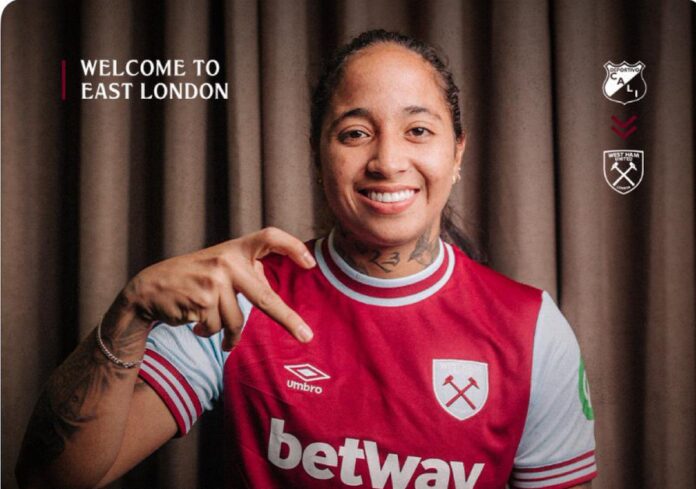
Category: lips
[388,200]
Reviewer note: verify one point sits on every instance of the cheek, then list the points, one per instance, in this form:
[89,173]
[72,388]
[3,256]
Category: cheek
[439,169]
[328,185]
[338,185]
[339,168]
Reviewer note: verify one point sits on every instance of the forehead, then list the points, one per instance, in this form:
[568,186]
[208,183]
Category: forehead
[388,73]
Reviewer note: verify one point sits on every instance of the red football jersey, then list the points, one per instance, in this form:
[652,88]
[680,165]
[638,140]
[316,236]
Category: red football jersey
[442,379]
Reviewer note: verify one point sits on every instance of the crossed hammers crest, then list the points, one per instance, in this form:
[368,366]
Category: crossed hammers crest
[623,174]
[461,393]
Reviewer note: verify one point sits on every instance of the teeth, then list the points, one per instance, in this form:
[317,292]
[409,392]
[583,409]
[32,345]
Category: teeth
[389,197]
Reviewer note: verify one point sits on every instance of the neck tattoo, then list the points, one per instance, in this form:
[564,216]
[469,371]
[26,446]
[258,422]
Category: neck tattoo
[387,262]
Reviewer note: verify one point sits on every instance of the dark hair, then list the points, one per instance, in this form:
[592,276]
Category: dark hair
[331,77]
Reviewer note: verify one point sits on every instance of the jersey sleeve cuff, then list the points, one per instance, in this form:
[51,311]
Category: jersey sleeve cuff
[173,389]
[560,475]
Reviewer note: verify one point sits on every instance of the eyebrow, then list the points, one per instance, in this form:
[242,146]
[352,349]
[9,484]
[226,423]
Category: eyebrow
[362,112]
[357,112]
[416,109]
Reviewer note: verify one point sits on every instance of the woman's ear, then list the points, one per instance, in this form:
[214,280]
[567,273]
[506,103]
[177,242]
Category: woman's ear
[318,172]
[459,147]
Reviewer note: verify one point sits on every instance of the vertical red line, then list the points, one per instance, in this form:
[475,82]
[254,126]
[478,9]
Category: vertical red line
[62,79]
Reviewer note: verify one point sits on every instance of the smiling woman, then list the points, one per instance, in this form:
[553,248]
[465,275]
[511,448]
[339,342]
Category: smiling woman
[389,155]
[421,368]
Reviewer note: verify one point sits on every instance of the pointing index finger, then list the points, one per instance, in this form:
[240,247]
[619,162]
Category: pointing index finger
[265,298]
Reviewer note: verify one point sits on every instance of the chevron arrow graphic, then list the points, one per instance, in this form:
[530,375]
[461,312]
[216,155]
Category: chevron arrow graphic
[623,134]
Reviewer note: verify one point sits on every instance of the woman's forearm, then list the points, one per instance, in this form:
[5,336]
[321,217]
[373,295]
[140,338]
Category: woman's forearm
[77,426]
[76,431]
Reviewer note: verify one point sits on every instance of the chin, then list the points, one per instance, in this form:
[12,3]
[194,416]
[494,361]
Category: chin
[385,234]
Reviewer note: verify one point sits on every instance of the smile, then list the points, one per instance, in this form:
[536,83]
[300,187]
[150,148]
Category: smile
[388,201]
[390,197]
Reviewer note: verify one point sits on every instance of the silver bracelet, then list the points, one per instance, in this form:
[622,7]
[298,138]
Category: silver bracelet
[113,358]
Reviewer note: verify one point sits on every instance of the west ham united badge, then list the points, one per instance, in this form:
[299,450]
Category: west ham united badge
[624,83]
[461,386]
[623,169]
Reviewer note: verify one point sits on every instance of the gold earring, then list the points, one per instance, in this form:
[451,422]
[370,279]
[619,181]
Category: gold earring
[457,176]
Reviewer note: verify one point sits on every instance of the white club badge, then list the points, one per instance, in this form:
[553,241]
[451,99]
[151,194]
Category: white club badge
[624,83]
[624,169]
[461,386]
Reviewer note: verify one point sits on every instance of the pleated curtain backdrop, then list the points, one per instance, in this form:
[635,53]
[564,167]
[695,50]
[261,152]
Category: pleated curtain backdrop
[93,191]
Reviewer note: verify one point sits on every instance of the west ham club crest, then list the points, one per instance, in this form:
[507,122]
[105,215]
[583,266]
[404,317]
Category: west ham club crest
[461,386]
[624,83]
[623,169]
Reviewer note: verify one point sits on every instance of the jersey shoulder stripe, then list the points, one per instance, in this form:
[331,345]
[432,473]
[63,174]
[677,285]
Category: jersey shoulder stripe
[185,370]
[173,388]
[556,476]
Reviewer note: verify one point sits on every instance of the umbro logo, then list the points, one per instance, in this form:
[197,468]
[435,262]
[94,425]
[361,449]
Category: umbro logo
[307,373]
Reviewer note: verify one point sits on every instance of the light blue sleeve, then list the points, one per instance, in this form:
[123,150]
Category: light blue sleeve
[557,446]
[186,370]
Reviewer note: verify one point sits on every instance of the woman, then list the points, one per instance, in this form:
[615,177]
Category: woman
[421,368]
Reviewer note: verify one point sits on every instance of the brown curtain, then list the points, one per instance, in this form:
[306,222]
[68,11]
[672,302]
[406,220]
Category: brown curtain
[93,191]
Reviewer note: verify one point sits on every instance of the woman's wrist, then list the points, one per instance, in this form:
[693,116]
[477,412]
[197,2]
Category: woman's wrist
[123,332]
[128,309]
[109,355]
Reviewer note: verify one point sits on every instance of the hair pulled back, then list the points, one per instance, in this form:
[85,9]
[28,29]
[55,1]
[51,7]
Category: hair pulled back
[331,77]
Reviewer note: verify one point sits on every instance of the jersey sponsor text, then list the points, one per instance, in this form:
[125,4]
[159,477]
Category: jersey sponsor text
[286,452]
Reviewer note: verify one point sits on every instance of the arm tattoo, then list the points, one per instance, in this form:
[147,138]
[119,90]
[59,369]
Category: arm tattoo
[67,403]
[72,396]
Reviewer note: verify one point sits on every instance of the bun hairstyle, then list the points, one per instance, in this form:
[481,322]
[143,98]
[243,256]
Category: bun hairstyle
[330,78]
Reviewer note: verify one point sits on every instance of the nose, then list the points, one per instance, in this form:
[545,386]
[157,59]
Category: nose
[389,157]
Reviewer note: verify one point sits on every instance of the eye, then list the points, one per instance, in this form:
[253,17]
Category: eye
[352,135]
[419,132]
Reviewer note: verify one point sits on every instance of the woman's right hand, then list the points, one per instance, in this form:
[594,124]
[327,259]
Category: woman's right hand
[202,286]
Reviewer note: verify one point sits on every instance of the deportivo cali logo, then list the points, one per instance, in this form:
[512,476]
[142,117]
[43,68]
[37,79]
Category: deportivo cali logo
[461,386]
[624,83]
[584,391]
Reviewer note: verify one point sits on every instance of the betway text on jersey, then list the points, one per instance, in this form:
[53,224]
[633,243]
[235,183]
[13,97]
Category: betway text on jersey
[318,459]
